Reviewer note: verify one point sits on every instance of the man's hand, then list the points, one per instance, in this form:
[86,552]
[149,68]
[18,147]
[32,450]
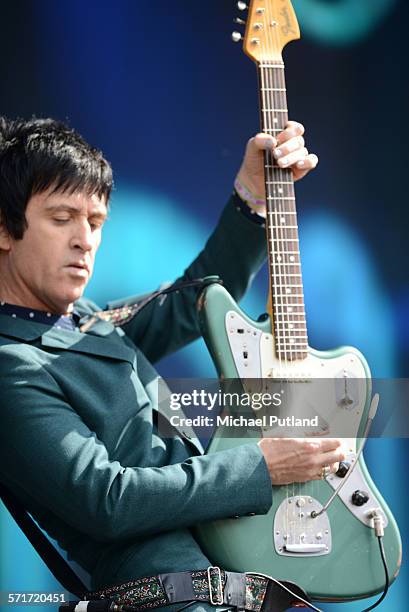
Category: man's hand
[300,459]
[288,149]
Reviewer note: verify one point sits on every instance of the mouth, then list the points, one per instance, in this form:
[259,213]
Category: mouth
[78,268]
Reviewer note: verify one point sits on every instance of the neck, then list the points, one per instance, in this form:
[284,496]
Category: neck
[287,308]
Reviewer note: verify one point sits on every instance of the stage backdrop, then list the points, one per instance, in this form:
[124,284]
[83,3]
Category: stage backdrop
[160,87]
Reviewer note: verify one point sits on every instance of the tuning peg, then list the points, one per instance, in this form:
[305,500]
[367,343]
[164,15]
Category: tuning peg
[242,6]
[236,37]
[239,21]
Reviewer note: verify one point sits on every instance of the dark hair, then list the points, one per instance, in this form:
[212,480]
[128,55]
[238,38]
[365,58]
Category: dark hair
[39,154]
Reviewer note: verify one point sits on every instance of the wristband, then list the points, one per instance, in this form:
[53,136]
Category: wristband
[248,196]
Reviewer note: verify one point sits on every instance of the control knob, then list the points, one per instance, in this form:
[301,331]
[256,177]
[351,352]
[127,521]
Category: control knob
[359,498]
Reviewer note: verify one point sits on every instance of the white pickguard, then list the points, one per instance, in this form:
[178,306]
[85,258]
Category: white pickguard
[335,387]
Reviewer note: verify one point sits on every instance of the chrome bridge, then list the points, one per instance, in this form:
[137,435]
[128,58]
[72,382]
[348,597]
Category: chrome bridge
[296,533]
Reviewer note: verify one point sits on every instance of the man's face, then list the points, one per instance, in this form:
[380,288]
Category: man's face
[50,267]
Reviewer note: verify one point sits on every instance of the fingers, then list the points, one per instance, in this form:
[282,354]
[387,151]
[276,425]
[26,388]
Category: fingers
[292,130]
[308,163]
[321,453]
[288,149]
[326,444]
[297,155]
[263,141]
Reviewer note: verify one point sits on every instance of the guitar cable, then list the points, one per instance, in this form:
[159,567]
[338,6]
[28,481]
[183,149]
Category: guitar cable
[378,526]
[371,415]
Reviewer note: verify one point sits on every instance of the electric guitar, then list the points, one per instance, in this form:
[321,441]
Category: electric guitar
[331,551]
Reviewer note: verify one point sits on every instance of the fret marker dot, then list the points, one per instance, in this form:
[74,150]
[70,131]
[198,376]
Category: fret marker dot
[31,315]
[14,316]
[289,309]
[275,120]
[292,258]
[279,258]
[282,219]
[2,303]
[290,326]
[48,314]
[280,190]
[288,290]
[292,340]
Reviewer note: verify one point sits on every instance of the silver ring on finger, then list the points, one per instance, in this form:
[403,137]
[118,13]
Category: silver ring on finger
[325,472]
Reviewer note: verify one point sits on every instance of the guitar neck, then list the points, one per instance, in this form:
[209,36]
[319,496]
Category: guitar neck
[284,265]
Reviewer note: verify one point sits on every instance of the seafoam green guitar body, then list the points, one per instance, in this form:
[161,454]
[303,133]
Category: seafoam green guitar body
[351,568]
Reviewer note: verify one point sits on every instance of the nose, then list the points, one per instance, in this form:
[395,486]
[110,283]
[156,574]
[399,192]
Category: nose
[82,237]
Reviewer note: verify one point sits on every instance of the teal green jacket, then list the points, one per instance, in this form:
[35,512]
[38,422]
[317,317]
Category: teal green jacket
[78,440]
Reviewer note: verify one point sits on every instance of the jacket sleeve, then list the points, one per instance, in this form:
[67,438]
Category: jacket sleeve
[235,251]
[53,461]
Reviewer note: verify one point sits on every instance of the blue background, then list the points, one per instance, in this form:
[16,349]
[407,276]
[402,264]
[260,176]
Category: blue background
[159,87]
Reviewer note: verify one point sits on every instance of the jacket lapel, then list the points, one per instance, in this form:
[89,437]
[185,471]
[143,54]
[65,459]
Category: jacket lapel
[102,339]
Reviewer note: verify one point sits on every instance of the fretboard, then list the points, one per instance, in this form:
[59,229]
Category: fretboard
[289,324]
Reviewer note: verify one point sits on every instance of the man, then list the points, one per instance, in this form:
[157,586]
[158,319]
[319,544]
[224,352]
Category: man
[79,444]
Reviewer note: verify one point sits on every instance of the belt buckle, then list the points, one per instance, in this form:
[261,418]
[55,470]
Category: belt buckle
[218,600]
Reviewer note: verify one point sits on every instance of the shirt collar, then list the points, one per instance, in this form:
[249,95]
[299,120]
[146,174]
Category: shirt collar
[67,322]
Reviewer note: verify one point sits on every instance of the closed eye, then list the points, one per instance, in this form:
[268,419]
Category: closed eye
[61,220]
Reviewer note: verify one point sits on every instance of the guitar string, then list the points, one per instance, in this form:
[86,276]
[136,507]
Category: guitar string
[272,191]
[290,349]
[274,207]
[278,81]
[271,245]
[300,343]
[278,230]
[279,104]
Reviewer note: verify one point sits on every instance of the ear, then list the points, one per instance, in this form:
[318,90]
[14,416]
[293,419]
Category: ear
[5,238]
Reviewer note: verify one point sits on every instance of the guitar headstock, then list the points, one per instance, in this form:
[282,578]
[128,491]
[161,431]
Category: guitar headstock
[271,24]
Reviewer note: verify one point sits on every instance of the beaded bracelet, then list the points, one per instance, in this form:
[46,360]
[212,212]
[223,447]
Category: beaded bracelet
[247,195]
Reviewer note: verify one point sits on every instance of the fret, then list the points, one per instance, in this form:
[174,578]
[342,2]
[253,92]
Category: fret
[300,285]
[286,347]
[283,239]
[291,351]
[285,275]
[298,329]
[274,166]
[279,182]
[296,314]
[274,110]
[287,295]
[302,341]
[284,227]
[273,89]
[291,304]
[278,197]
[280,65]
[299,343]
[285,309]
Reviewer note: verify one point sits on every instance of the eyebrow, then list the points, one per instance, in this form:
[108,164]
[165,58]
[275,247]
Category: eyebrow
[73,209]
